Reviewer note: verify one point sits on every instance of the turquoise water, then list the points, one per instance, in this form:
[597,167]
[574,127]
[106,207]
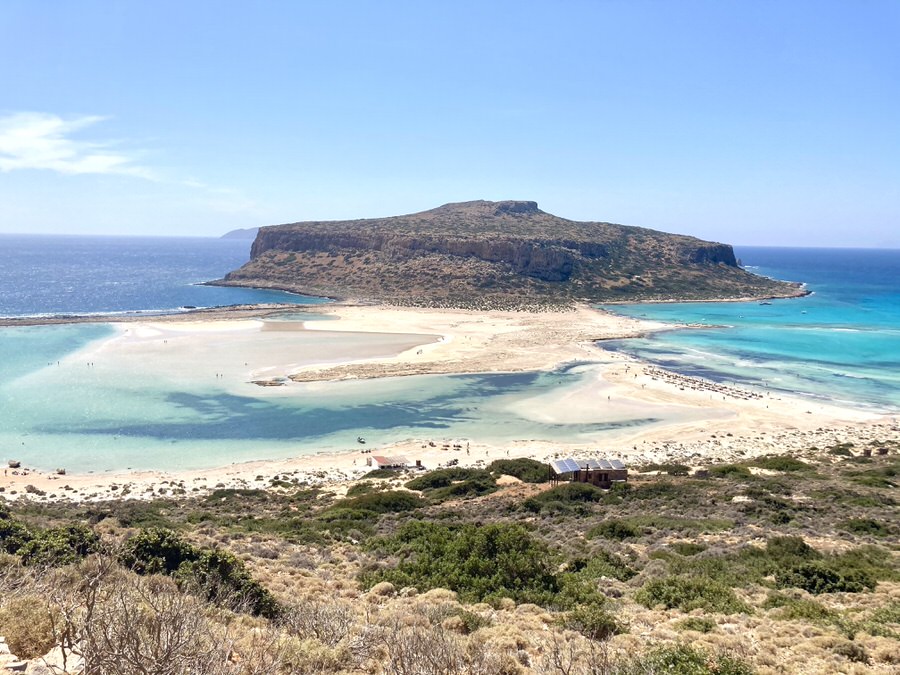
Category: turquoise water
[841,343]
[91,418]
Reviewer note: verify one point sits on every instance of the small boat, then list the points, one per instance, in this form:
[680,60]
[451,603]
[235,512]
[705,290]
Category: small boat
[765,303]
[360,439]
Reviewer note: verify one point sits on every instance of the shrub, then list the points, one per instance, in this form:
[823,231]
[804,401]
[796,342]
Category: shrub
[682,659]
[156,551]
[689,593]
[594,621]
[614,528]
[454,482]
[394,501]
[780,463]
[444,477]
[738,471]
[480,562]
[218,575]
[224,580]
[564,497]
[526,470]
[864,526]
[818,577]
[13,535]
[687,548]
[700,624]
[27,623]
[59,545]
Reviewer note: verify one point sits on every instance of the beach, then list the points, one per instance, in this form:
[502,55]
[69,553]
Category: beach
[703,422]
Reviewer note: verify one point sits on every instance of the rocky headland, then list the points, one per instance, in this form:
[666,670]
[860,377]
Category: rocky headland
[484,254]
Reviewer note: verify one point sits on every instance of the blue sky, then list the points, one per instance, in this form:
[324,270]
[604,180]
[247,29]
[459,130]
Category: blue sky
[757,122]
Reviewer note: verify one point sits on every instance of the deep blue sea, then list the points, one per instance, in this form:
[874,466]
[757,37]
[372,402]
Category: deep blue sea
[52,274]
[840,343]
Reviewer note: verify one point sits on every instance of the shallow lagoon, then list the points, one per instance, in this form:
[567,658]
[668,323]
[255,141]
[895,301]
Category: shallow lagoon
[146,398]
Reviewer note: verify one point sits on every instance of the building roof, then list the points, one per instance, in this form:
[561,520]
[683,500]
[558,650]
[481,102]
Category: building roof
[569,465]
[392,460]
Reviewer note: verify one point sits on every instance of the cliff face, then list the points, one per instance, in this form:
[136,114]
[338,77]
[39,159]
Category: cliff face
[494,253]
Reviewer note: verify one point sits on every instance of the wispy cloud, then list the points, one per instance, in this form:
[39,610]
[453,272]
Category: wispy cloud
[32,140]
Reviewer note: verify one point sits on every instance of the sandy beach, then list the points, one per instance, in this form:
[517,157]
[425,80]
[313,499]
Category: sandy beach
[707,422]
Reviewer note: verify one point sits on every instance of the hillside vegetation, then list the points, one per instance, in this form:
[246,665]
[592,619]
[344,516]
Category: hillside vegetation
[494,254]
[773,565]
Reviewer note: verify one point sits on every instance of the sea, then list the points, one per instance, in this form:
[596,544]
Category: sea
[840,343]
[67,399]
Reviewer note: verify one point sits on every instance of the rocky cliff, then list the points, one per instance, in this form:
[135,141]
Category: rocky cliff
[494,254]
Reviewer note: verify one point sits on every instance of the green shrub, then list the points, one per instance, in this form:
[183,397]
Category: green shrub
[700,624]
[682,659]
[564,497]
[810,611]
[780,463]
[480,562]
[526,470]
[616,529]
[738,471]
[59,545]
[818,577]
[156,551]
[594,621]
[224,580]
[687,548]
[690,593]
[13,535]
[440,478]
[393,501]
[218,575]
[864,526]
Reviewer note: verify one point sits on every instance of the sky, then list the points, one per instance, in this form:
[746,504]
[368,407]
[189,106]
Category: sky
[750,122]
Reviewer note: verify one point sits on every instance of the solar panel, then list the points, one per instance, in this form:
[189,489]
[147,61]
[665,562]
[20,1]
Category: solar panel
[568,465]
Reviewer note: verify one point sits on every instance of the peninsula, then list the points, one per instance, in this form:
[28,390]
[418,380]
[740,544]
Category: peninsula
[506,254]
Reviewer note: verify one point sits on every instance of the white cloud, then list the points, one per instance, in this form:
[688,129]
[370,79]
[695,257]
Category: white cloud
[30,140]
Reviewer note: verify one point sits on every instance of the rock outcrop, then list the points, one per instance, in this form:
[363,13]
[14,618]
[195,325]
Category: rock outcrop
[494,254]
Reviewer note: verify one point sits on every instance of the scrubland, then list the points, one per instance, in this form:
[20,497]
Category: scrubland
[774,565]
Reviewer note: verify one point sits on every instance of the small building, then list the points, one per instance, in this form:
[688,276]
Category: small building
[603,473]
[387,462]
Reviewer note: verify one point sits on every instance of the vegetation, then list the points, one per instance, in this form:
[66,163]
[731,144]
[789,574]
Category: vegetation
[526,470]
[292,579]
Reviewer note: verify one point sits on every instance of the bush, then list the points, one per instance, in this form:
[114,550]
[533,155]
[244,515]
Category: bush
[454,482]
[444,477]
[394,501]
[687,548]
[865,526]
[682,659]
[526,470]
[564,497]
[689,593]
[13,535]
[594,621]
[700,624]
[818,577]
[780,463]
[218,575]
[614,528]
[480,562]
[60,545]
[27,623]
[737,471]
